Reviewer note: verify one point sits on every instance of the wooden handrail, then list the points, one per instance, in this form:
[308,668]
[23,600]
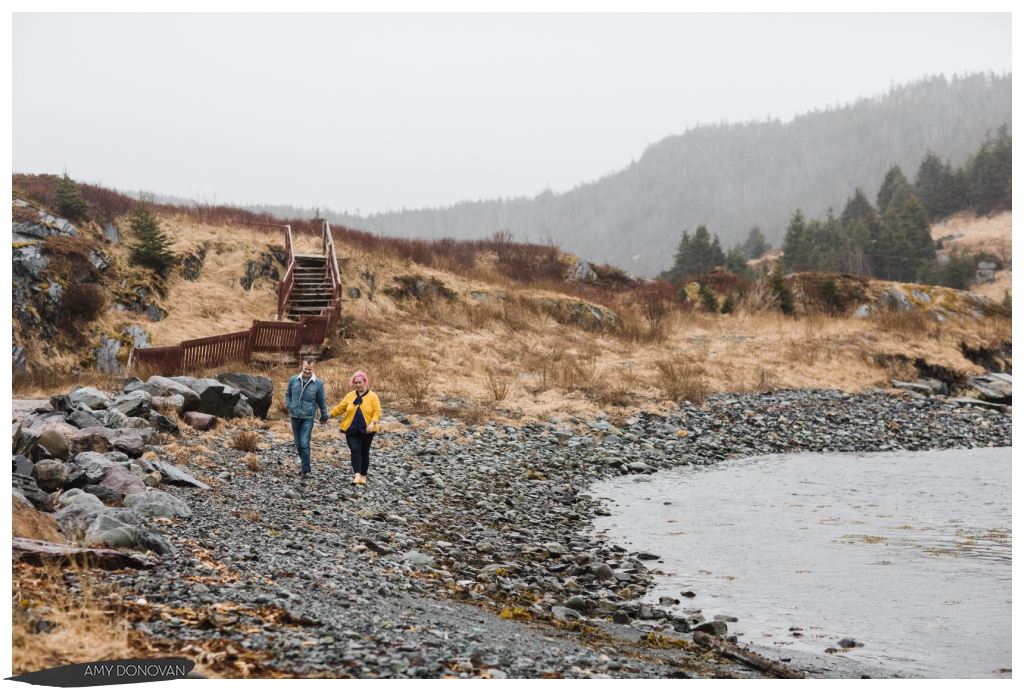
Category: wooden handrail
[284,289]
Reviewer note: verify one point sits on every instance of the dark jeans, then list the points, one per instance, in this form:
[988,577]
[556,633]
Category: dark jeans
[359,445]
[302,431]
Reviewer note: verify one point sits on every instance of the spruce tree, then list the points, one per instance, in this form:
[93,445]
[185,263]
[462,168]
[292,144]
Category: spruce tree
[755,245]
[929,186]
[794,245]
[857,209]
[895,190]
[917,230]
[696,255]
[69,200]
[152,248]
[782,291]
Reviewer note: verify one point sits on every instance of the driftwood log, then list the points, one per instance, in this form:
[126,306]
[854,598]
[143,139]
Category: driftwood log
[40,553]
[747,657]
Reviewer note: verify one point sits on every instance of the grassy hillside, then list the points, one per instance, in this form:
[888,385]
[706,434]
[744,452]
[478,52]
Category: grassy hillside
[480,343]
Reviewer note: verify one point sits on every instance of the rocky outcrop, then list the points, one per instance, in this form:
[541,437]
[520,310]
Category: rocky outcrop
[258,390]
[582,314]
[258,269]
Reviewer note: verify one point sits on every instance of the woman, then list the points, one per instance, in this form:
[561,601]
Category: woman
[359,412]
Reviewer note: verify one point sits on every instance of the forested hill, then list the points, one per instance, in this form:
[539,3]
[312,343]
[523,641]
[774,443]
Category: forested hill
[731,176]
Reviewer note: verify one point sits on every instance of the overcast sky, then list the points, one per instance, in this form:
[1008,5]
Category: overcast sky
[371,112]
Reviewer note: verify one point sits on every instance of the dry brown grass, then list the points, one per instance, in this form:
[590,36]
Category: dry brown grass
[85,630]
[252,462]
[246,441]
[251,515]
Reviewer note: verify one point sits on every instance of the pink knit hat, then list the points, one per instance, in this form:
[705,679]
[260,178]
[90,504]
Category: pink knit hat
[359,375]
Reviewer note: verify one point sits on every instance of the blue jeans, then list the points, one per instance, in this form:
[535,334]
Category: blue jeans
[302,431]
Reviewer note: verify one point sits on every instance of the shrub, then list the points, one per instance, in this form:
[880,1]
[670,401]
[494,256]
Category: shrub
[682,380]
[68,199]
[729,306]
[708,299]
[252,462]
[782,291]
[499,385]
[81,304]
[245,441]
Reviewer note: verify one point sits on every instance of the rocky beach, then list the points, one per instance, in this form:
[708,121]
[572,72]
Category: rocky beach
[469,552]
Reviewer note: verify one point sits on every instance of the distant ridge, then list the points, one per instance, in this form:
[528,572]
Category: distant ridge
[731,176]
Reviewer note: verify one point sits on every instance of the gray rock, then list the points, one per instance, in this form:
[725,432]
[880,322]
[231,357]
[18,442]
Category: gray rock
[111,232]
[18,362]
[90,397]
[106,355]
[115,419]
[178,475]
[164,387]
[155,312]
[139,336]
[991,388]
[577,603]
[604,572]
[565,614]
[76,518]
[242,408]
[849,643]
[922,389]
[50,475]
[22,466]
[156,504]
[134,404]
[108,530]
[105,495]
[896,299]
[163,423]
[54,442]
[83,420]
[127,441]
[155,541]
[76,496]
[715,628]
[258,390]
[215,398]
[640,467]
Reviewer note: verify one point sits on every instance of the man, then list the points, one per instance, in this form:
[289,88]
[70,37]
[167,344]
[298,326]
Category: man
[305,393]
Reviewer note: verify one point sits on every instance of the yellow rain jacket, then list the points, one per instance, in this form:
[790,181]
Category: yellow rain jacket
[362,414]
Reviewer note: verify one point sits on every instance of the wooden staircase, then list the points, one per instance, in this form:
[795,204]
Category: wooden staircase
[312,292]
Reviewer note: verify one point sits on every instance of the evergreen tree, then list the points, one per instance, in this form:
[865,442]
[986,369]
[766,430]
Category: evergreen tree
[895,190]
[696,255]
[755,245]
[782,291]
[794,246]
[990,174]
[891,257]
[708,298]
[917,230]
[69,200]
[930,186]
[736,262]
[857,209]
[152,248]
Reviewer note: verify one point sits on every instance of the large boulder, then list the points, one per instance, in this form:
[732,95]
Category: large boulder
[106,529]
[163,387]
[127,441]
[55,443]
[89,396]
[76,518]
[22,466]
[258,390]
[134,404]
[216,398]
[86,440]
[124,481]
[156,504]
[162,423]
[50,475]
[82,419]
[242,408]
[176,402]
[104,495]
[200,421]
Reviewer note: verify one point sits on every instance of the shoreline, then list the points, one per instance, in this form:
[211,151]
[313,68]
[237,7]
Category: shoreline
[470,559]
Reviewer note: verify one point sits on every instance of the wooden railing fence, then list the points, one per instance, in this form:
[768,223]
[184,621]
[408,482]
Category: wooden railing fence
[262,337]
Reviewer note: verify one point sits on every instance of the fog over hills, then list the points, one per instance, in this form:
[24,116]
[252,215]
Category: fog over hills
[729,176]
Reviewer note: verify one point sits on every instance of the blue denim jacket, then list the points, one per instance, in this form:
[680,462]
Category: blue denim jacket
[302,402]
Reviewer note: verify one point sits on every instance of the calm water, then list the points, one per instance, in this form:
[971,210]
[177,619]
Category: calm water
[909,552]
